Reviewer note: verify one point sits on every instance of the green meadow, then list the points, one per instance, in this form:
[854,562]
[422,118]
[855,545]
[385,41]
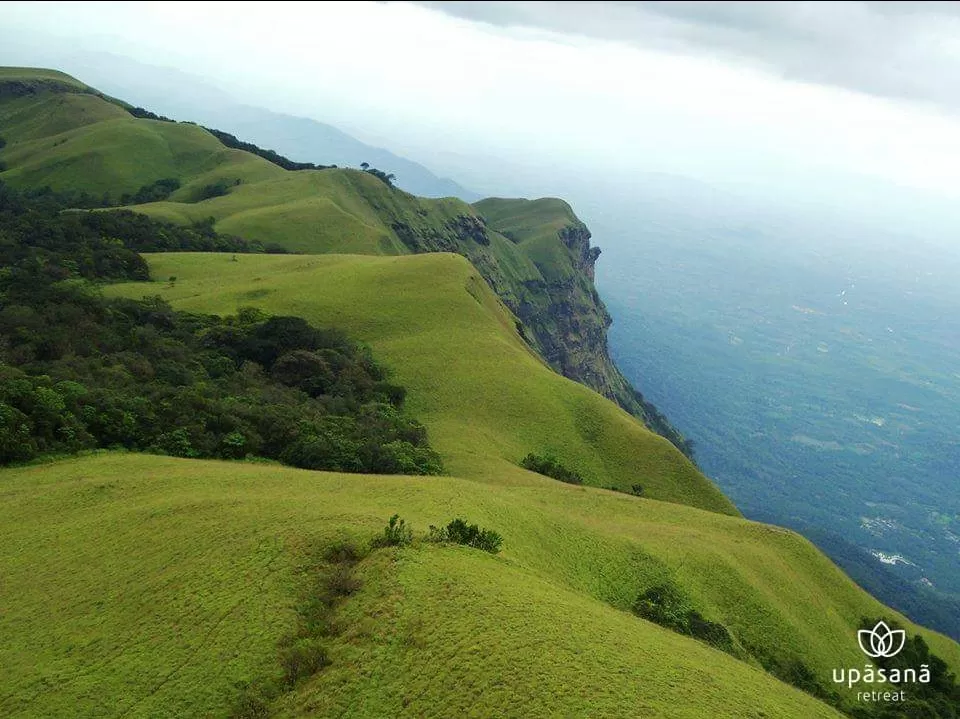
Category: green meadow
[485,397]
[149,586]
[153,586]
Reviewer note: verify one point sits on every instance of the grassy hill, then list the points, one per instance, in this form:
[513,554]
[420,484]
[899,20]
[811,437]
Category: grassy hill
[180,578]
[70,137]
[149,586]
[487,400]
[485,397]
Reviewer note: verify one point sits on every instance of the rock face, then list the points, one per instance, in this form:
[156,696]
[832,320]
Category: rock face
[571,333]
[577,240]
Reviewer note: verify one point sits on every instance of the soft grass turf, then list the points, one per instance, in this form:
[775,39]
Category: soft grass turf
[69,137]
[34,74]
[485,398]
[534,224]
[151,586]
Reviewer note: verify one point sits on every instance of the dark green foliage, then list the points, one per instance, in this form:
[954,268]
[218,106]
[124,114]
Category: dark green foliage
[80,371]
[277,159]
[550,467]
[33,222]
[793,671]
[328,577]
[395,534]
[342,552]
[253,701]
[666,605]
[470,535]
[3,143]
[636,490]
[303,658]
[154,192]
[39,243]
[216,189]
[146,114]
[384,177]
[520,331]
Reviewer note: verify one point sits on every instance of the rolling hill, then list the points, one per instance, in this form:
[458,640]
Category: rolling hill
[151,586]
[186,96]
[87,142]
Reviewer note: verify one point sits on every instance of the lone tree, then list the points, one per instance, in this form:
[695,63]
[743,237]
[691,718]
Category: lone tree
[364,166]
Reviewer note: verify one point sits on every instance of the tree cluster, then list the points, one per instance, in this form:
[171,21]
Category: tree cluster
[387,178]
[81,371]
[551,467]
[154,192]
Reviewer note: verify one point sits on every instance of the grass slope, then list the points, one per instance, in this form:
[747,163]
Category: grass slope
[42,77]
[66,135]
[179,578]
[150,586]
[485,398]
[534,224]
[72,138]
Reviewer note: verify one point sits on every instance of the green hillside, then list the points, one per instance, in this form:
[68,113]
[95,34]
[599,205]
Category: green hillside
[485,397]
[70,140]
[150,586]
[534,225]
[180,578]
[486,401]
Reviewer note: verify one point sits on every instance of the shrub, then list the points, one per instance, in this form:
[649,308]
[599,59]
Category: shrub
[386,178]
[147,115]
[521,331]
[81,370]
[470,535]
[395,534]
[550,467]
[667,606]
[302,659]
[342,552]
[341,581]
[154,192]
[216,189]
[231,141]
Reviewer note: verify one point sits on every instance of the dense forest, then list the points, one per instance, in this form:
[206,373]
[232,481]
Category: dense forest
[81,371]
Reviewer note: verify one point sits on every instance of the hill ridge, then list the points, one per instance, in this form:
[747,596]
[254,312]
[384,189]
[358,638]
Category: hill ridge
[546,282]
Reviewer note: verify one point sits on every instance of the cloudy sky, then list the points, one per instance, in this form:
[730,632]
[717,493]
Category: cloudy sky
[724,92]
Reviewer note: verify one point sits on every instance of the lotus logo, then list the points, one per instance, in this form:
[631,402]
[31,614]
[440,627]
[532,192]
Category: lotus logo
[881,641]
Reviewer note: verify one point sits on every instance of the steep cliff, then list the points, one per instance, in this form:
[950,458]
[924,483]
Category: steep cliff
[564,317]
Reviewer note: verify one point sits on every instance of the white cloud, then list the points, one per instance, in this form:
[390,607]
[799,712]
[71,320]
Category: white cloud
[420,78]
